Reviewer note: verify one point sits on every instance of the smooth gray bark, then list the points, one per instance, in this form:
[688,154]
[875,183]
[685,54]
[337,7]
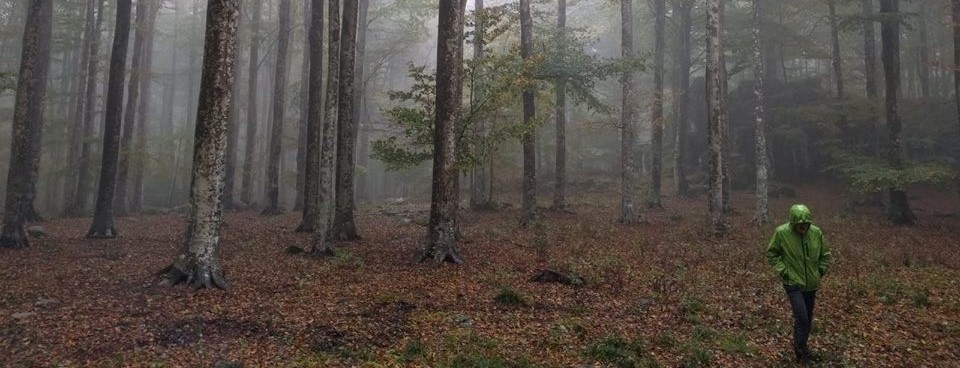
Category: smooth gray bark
[762,215]
[198,263]
[279,111]
[103,226]
[250,151]
[121,199]
[313,184]
[560,189]
[328,145]
[441,237]
[146,101]
[28,117]
[660,11]
[77,130]
[682,10]
[344,222]
[314,117]
[629,124]
[528,140]
[716,111]
[302,120]
[899,211]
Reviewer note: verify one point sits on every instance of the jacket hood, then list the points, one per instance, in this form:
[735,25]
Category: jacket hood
[800,214]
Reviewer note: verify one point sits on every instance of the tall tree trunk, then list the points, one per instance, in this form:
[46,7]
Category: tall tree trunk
[660,9]
[304,107]
[195,62]
[315,125]
[683,9]
[328,145]
[560,191]
[835,40]
[28,117]
[130,113]
[716,110]
[870,68]
[899,211]
[479,178]
[77,129]
[279,111]
[29,210]
[762,215]
[84,177]
[441,239]
[140,146]
[313,115]
[923,67]
[102,226]
[725,128]
[630,167]
[359,96]
[233,133]
[956,54]
[198,263]
[246,196]
[837,64]
[528,140]
[344,224]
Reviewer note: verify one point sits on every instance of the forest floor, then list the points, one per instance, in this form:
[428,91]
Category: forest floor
[661,293]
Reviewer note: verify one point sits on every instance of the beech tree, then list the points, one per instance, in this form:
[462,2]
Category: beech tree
[78,129]
[344,223]
[682,9]
[198,263]
[899,211]
[302,119]
[27,119]
[716,111]
[103,226]
[442,232]
[762,215]
[253,85]
[528,139]
[560,190]
[138,82]
[313,57]
[956,54]
[870,66]
[328,147]
[279,107]
[629,124]
[319,136]
[660,11]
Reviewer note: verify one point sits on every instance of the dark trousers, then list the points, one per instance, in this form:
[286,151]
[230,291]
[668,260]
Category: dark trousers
[802,303]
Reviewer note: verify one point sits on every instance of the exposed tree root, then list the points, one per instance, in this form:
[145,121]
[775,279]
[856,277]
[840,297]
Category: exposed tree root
[530,219]
[439,253]
[96,232]
[13,237]
[325,249]
[195,276]
[347,231]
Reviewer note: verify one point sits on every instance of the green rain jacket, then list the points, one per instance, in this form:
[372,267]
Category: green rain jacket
[800,260]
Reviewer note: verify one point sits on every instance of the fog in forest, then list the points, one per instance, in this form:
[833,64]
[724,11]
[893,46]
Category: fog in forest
[312,126]
[401,35]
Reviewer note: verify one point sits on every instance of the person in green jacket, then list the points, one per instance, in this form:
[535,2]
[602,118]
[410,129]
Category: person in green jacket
[800,256]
